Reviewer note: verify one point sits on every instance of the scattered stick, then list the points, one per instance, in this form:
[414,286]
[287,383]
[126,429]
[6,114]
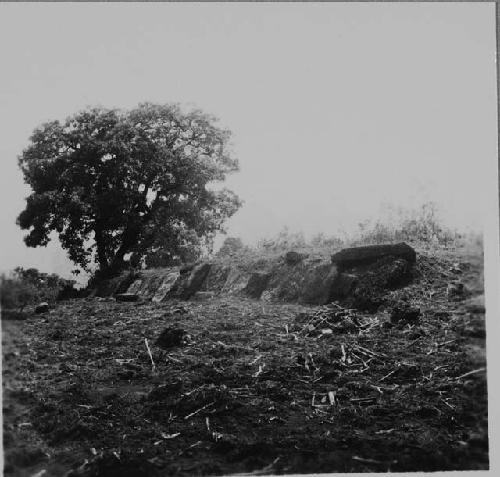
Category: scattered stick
[445,343]
[331,397]
[39,474]
[386,431]
[150,355]
[198,410]
[259,372]
[266,470]
[387,375]
[372,461]
[412,343]
[369,351]
[365,400]
[175,360]
[449,405]
[191,446]
[475,371]
[256,359]
[170,436]
[194,390]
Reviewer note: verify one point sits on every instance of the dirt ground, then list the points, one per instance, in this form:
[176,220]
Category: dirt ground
[245,387]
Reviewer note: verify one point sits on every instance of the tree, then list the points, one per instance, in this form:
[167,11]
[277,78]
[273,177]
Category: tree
[138,182]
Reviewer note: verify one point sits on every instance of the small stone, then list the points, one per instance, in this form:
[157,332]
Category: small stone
[42,307]
[336,353]
[127,297]
[455,268]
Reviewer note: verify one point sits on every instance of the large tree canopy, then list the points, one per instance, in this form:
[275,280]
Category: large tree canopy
[139,182]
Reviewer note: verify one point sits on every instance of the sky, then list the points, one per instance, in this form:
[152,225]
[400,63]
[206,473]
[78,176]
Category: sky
[335,108]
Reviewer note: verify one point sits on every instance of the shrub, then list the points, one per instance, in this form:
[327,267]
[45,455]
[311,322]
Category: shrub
[27,286]
[284,241]
[230,246]
[15,293]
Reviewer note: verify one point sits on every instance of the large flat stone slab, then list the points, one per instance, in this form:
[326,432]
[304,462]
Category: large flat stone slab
[361,256]
[168,282]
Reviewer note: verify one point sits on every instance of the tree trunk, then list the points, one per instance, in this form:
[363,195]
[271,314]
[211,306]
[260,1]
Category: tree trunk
[101,251]
[129,240]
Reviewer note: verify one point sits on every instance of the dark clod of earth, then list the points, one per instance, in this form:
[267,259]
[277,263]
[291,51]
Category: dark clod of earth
[406,314]
[172,337]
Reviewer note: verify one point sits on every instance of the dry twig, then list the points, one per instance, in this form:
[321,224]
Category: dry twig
[150,355]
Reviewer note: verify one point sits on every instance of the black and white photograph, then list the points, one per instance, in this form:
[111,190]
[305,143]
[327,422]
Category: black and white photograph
[249,238]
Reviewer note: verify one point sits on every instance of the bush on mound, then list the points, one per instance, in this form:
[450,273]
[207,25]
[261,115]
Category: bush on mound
[25,287]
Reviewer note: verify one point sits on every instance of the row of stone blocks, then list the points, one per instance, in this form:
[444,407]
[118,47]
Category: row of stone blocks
[356,270]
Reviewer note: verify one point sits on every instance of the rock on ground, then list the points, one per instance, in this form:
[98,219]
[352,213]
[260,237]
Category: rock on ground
[127,297]
[360,256]
[42,307]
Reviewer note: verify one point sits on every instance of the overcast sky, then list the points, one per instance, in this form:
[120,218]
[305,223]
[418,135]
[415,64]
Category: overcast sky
[335,108]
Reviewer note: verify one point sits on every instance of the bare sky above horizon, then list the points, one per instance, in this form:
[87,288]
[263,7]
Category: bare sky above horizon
[335,108]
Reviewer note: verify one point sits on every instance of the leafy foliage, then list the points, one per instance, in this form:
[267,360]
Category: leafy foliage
[421,227]
[284,240]
[28,286]
[137,182]
[230,246]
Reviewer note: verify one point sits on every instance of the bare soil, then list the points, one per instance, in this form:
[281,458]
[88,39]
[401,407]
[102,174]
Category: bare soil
[246,387]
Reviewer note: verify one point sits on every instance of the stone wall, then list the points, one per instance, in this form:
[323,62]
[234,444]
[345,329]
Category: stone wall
[358,277]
